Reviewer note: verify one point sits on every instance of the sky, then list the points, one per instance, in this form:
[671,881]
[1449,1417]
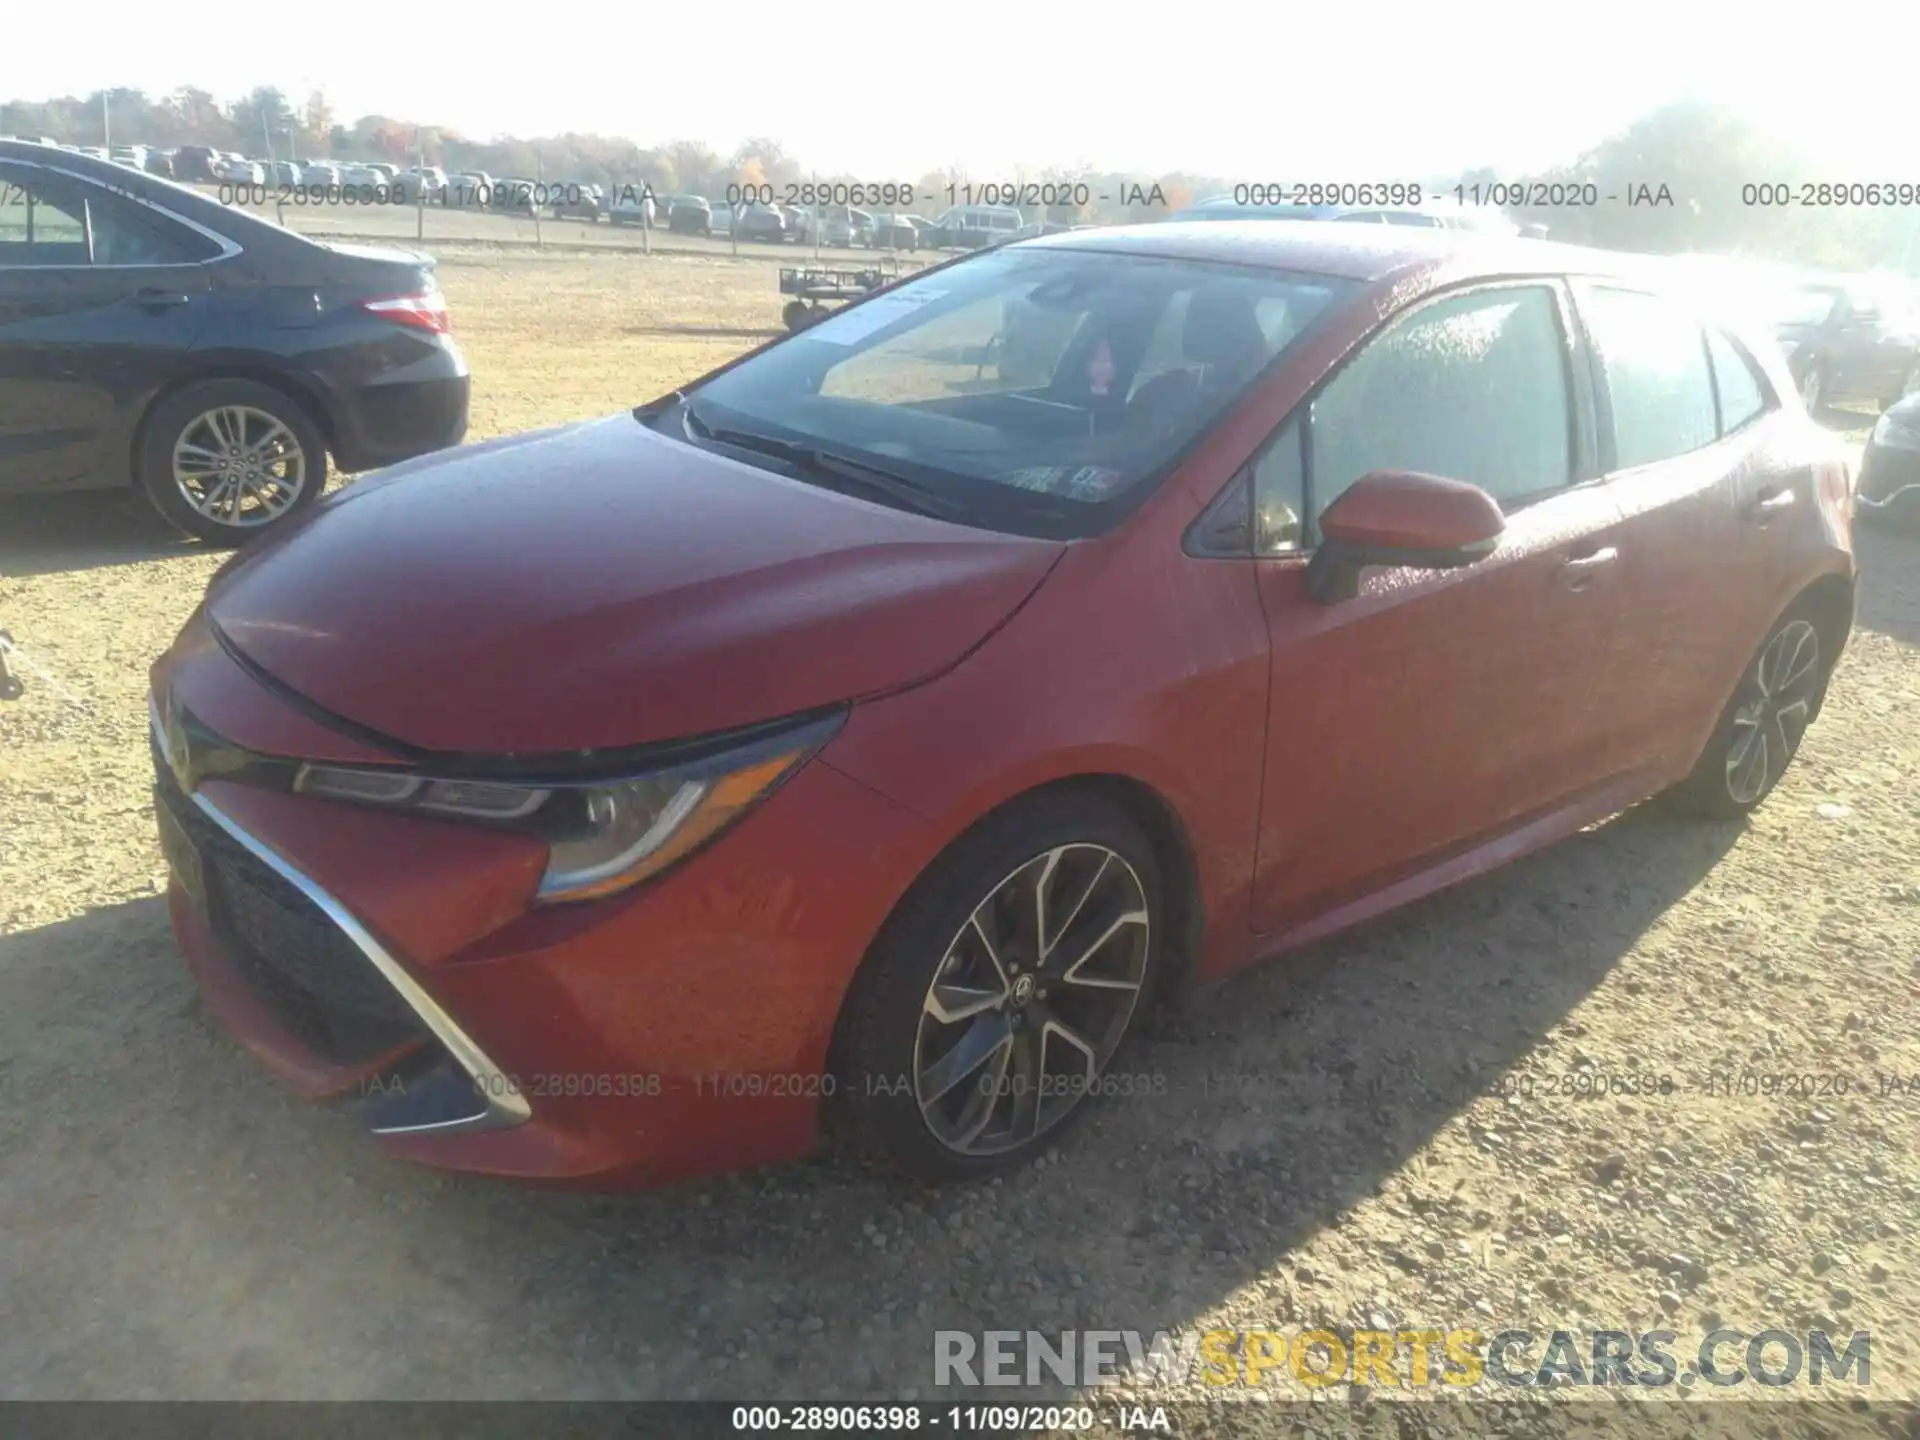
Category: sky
[1245,91]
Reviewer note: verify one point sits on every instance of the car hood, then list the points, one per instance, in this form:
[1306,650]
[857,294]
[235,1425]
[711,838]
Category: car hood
[602,586]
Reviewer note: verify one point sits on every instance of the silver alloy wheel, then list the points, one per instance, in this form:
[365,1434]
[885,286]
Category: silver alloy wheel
[1768,727]
[239,466]
[1031,999]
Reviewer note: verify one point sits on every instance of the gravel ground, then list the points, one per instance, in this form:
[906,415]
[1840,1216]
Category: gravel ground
[1331,1145]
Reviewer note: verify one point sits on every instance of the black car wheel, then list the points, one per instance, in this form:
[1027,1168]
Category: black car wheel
[988,1010]
[1760,730]
[797,314]
[225,459]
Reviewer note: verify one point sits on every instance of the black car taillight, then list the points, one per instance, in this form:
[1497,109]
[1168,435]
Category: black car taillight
[426,310]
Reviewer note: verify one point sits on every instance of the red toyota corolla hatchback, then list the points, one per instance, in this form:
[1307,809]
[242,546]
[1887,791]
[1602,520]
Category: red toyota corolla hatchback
[883,720]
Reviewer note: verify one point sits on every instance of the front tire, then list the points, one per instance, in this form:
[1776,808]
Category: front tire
[227,459]
[995,997]
[1760,730]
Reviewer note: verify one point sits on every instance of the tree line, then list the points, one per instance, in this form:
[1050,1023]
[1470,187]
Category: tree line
[1687,177]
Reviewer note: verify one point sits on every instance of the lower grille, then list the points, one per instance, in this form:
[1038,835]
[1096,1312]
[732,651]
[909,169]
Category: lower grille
[315,980]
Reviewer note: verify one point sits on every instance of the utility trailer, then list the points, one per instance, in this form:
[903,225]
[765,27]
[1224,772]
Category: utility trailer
[812,287]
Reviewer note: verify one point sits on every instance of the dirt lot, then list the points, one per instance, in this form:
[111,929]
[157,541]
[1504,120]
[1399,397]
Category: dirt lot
[1327,1149]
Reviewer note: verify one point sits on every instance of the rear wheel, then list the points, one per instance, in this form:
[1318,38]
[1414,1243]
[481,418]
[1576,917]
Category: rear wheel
[226,459]
[797,315]
[982,1022]
[1760,730]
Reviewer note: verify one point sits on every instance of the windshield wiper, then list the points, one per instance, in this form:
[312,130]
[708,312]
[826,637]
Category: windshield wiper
[653,409]
[909,494]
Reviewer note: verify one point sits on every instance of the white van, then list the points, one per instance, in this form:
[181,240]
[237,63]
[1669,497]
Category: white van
[970,227]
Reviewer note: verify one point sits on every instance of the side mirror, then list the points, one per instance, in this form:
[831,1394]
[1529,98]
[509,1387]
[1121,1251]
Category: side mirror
[1401,517]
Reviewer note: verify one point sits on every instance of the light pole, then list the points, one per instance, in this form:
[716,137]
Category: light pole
[106,124]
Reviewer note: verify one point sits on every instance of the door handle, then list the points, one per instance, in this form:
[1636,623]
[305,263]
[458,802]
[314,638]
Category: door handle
[152,297]
[1770,504]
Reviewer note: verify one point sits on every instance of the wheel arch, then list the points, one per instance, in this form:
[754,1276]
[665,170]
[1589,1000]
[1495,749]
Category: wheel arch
[298,391]
[1830,599]
[1164,829]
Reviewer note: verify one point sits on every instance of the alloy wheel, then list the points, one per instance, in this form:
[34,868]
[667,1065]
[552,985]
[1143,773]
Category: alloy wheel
[1768,725]
[1812,389]
[1033,996]
[239,466]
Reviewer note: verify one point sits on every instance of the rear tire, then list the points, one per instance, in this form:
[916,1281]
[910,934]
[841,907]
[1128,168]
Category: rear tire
[1759,732]
[996,996]
[227,460]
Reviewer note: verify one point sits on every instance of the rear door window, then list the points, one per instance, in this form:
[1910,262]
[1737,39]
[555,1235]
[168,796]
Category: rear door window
[1653,362]
[48,219]
[1742,393]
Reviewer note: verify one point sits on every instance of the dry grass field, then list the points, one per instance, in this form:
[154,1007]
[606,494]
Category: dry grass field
[1332,1146]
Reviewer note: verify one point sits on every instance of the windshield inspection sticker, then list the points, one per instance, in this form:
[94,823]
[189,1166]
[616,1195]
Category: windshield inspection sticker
[844,327]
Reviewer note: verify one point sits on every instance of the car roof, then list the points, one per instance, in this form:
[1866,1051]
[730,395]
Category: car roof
[1371,253]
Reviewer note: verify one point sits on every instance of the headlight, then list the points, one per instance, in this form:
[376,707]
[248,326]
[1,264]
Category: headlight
[602,836]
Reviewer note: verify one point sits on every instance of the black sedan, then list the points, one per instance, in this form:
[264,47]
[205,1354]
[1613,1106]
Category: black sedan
[1889,485]
[1849,342]
[150,336]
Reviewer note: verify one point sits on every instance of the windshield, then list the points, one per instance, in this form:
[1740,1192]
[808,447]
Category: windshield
[1034,390]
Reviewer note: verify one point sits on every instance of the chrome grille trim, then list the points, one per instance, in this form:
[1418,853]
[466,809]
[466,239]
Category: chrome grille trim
[506,1107]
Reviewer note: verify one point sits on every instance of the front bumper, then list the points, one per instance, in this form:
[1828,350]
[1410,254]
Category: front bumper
[682,1028]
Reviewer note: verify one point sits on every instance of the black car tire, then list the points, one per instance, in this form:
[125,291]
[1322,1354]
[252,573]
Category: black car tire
[1718,788]
[797,314]
[170,420]
[879,1042]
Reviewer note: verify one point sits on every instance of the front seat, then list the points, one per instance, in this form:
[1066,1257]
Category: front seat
[1223,346]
